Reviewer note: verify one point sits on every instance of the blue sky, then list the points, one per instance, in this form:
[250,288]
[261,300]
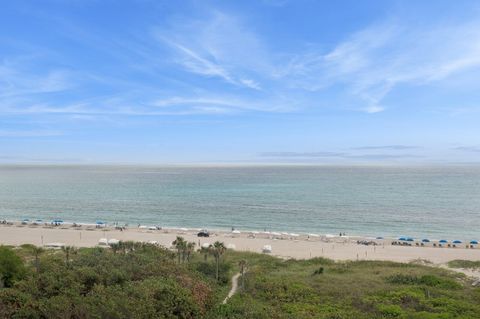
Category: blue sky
[281,81]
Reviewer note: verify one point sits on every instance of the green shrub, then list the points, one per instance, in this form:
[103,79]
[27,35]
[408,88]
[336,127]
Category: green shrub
[11,267]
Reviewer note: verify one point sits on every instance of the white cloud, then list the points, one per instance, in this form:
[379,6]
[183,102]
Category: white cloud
[39,133]
[373,61]
[219,46]
[16,81]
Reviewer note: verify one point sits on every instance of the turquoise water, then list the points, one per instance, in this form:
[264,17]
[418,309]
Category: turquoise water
[434,202]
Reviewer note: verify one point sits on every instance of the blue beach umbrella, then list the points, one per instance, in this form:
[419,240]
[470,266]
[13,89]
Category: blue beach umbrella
[426,240]
[474,242]
[443,241]
[409,239]
[457,241]
[379,237]
[402,239]
[99,222]
[25,220]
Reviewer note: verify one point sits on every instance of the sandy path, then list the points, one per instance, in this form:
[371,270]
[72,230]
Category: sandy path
[234,288]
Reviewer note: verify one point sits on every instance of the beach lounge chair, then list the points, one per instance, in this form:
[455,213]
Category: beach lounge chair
[267,249]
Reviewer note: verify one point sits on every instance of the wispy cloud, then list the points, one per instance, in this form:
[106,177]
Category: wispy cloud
[327,155]
[39,133]
[15,82]
[387,147]
[373,61]
[217,46]
[302,154]
[475,149]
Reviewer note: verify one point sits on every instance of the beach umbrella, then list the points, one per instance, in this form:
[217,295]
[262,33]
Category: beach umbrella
[474,242]
[425,240]
[457,242]
[235,232]
[99,222]
[409,239]
[26,220]
[379,237]
[402,239]
[443,241]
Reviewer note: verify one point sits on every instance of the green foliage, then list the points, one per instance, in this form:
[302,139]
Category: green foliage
[143,282]
[209,270]
[428,280]
[11,267]
[464,264]
[137,280]
[353,290]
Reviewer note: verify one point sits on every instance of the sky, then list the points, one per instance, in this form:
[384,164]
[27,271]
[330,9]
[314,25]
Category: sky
[260,81]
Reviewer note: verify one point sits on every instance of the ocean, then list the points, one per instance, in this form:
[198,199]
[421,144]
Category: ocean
[433,202]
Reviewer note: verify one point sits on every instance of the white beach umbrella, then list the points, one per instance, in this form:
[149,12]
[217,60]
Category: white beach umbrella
[313,235]
[267,249]
[152,228]
[205,245]
[235,232]
[142,227]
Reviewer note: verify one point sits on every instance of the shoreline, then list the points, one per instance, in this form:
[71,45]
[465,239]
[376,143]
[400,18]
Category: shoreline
[297,246]
[267,232]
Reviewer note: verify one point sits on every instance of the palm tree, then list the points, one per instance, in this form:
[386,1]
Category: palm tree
[37,251]
[205,251]
[180,244]
[190,249]
[68,250]
[243,265]
[218,249]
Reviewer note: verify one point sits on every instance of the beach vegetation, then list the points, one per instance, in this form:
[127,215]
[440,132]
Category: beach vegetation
[11,267]
[468,264]
[146,281]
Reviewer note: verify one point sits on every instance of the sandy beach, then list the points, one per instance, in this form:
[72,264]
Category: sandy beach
[283,245]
